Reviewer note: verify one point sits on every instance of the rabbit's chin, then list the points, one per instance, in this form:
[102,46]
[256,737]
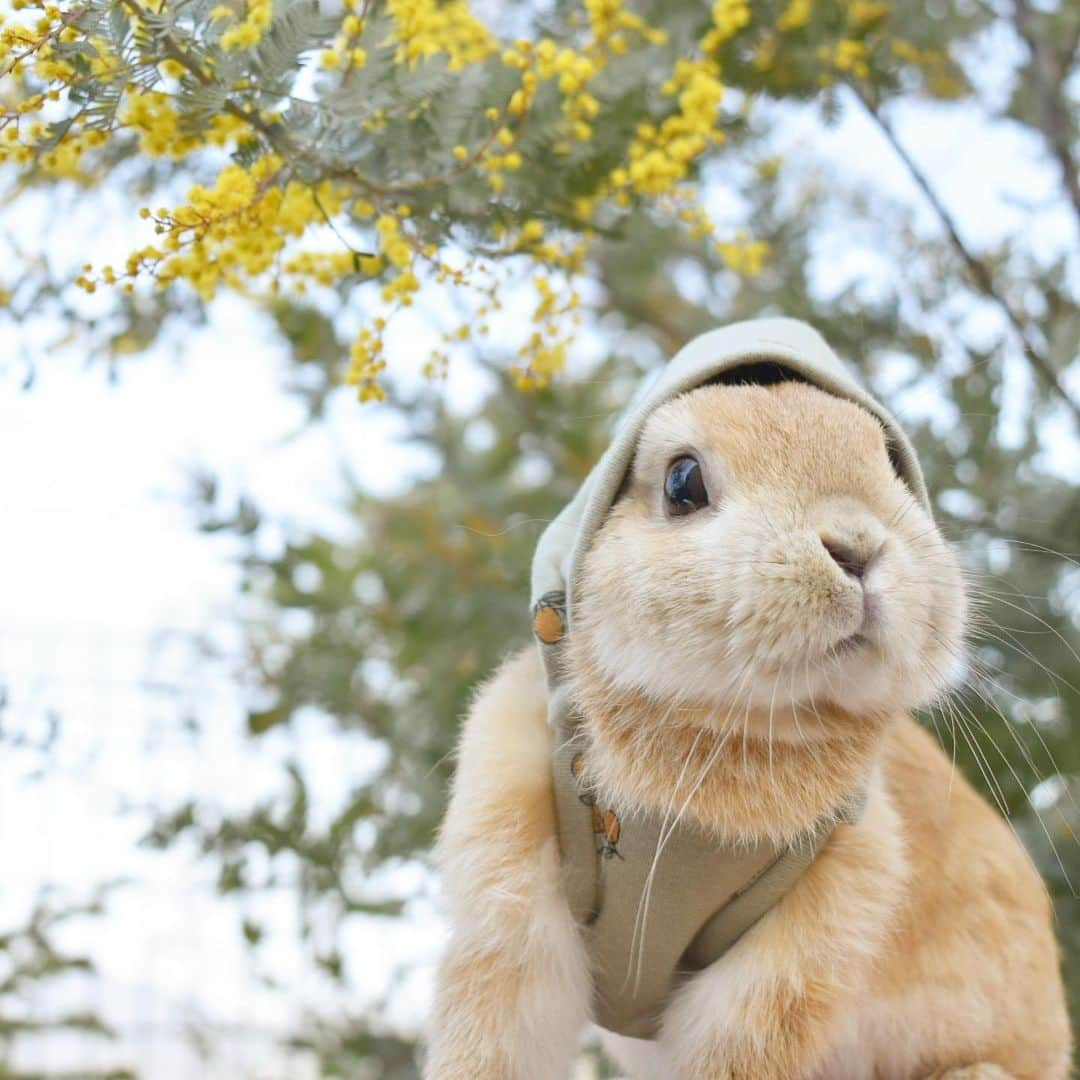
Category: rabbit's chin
[857,678]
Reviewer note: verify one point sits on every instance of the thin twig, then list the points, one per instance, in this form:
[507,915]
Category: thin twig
[34,45]
[356,253]
[979,271]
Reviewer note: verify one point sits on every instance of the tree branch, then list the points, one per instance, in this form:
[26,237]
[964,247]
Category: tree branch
[35,44]
[1048,74]
[979,271]
[174,51]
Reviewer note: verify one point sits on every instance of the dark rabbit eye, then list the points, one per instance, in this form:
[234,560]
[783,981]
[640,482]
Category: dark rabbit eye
[684,487]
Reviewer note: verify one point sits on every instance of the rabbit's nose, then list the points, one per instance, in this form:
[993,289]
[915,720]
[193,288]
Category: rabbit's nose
[852,558]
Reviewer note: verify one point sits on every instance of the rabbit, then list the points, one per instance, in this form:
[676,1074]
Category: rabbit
[754,620]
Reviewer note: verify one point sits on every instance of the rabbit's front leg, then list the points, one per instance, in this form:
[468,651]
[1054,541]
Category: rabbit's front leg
[512,996]
[513,989]
[771,1009]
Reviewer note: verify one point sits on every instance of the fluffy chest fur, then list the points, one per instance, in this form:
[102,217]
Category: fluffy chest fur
[875,965]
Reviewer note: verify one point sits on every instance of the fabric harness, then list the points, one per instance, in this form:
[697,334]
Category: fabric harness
[705,894]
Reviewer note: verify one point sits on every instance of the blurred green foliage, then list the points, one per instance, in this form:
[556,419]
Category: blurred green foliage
[33,963]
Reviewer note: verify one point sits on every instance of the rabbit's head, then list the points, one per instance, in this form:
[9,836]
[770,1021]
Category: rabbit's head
[765,559]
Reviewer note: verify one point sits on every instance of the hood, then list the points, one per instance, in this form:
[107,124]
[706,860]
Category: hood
[791,344]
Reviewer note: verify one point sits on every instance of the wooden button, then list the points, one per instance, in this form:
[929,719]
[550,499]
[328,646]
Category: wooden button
[547,624]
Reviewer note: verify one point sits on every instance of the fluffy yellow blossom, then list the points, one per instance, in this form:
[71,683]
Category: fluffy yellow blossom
[152,114]
[769,169]
[66,158]
[904,50]
[697,220]
[661,157]
[51,69]
[322,267]
[345,53]
[796,15]
[744,256]
[544,352]
[532,231]
[395,247]
[426,28]
[729,17]
[366,364]
[610,22]
[237,229]
[864,13]
[851,56]
[541,360]
[249,31]
[611,29]
[401,289]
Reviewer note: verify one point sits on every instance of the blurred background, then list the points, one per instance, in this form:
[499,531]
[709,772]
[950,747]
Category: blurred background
[241,613]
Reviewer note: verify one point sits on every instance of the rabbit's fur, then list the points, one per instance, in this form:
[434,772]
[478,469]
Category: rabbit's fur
[714,660]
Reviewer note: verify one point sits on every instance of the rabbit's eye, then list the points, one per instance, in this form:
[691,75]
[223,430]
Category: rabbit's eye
[684,487]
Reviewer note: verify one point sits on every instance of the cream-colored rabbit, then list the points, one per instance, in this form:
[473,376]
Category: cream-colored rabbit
[751,622]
